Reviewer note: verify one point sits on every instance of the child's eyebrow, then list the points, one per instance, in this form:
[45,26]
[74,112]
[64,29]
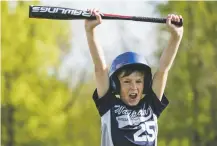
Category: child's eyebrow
[126,78]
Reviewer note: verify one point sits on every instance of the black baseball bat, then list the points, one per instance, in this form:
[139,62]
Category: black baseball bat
[60,13]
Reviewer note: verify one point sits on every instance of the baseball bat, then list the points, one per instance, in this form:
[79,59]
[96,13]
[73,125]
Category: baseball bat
[61,13]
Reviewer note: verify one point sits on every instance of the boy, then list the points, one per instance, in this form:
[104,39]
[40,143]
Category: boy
[128,99]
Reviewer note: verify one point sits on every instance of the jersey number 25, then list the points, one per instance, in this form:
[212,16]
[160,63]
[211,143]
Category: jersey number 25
[149,128]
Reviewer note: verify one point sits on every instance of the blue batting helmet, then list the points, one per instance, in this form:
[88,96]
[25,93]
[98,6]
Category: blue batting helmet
[129,59]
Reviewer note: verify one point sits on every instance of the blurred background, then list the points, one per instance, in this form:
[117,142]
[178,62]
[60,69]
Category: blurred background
[47,78]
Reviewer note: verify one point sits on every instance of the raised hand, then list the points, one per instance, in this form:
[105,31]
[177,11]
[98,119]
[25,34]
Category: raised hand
[176,31]
[91,24]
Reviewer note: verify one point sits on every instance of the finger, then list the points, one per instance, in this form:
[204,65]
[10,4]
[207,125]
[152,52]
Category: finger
[177,17]
[98,17]
[94,11]
[173,17]
[169,17]
[91,11]
[97,11]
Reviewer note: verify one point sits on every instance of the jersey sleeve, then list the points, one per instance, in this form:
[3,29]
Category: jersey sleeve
[157,105]
[104,103]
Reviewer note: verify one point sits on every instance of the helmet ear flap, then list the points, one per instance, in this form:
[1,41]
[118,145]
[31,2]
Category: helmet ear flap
[147,83]
[115,83]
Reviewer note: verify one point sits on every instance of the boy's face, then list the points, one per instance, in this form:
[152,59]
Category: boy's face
[131,88]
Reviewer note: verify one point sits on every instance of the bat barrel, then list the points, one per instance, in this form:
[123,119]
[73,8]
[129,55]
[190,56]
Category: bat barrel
[58,13]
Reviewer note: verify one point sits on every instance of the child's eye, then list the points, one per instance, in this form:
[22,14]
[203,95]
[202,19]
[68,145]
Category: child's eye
[126,81]
[139,81]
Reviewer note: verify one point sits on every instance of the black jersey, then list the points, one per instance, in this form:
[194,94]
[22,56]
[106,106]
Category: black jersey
[123,125]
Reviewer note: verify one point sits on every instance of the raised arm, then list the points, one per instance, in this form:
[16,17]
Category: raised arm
[168,56]
[101,69]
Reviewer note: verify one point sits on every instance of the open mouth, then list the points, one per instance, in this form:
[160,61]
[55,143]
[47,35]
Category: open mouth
[133,95]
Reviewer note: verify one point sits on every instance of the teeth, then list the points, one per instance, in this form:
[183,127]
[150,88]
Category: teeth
[133,95]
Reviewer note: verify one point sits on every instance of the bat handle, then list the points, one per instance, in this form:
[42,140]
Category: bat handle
[178,23]
[158,20]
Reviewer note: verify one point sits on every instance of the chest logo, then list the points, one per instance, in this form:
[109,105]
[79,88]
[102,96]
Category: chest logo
[126,117]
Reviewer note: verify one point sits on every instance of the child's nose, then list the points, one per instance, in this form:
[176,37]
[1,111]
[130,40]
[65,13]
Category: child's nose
[133,85]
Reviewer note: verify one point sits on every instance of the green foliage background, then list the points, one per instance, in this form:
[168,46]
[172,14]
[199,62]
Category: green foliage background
[38,109]
[191,118]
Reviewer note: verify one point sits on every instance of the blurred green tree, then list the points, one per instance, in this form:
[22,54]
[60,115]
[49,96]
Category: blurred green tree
[37,108]
[31,93]
[192,85]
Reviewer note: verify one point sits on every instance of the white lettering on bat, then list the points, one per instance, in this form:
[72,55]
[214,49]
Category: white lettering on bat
[75,12]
